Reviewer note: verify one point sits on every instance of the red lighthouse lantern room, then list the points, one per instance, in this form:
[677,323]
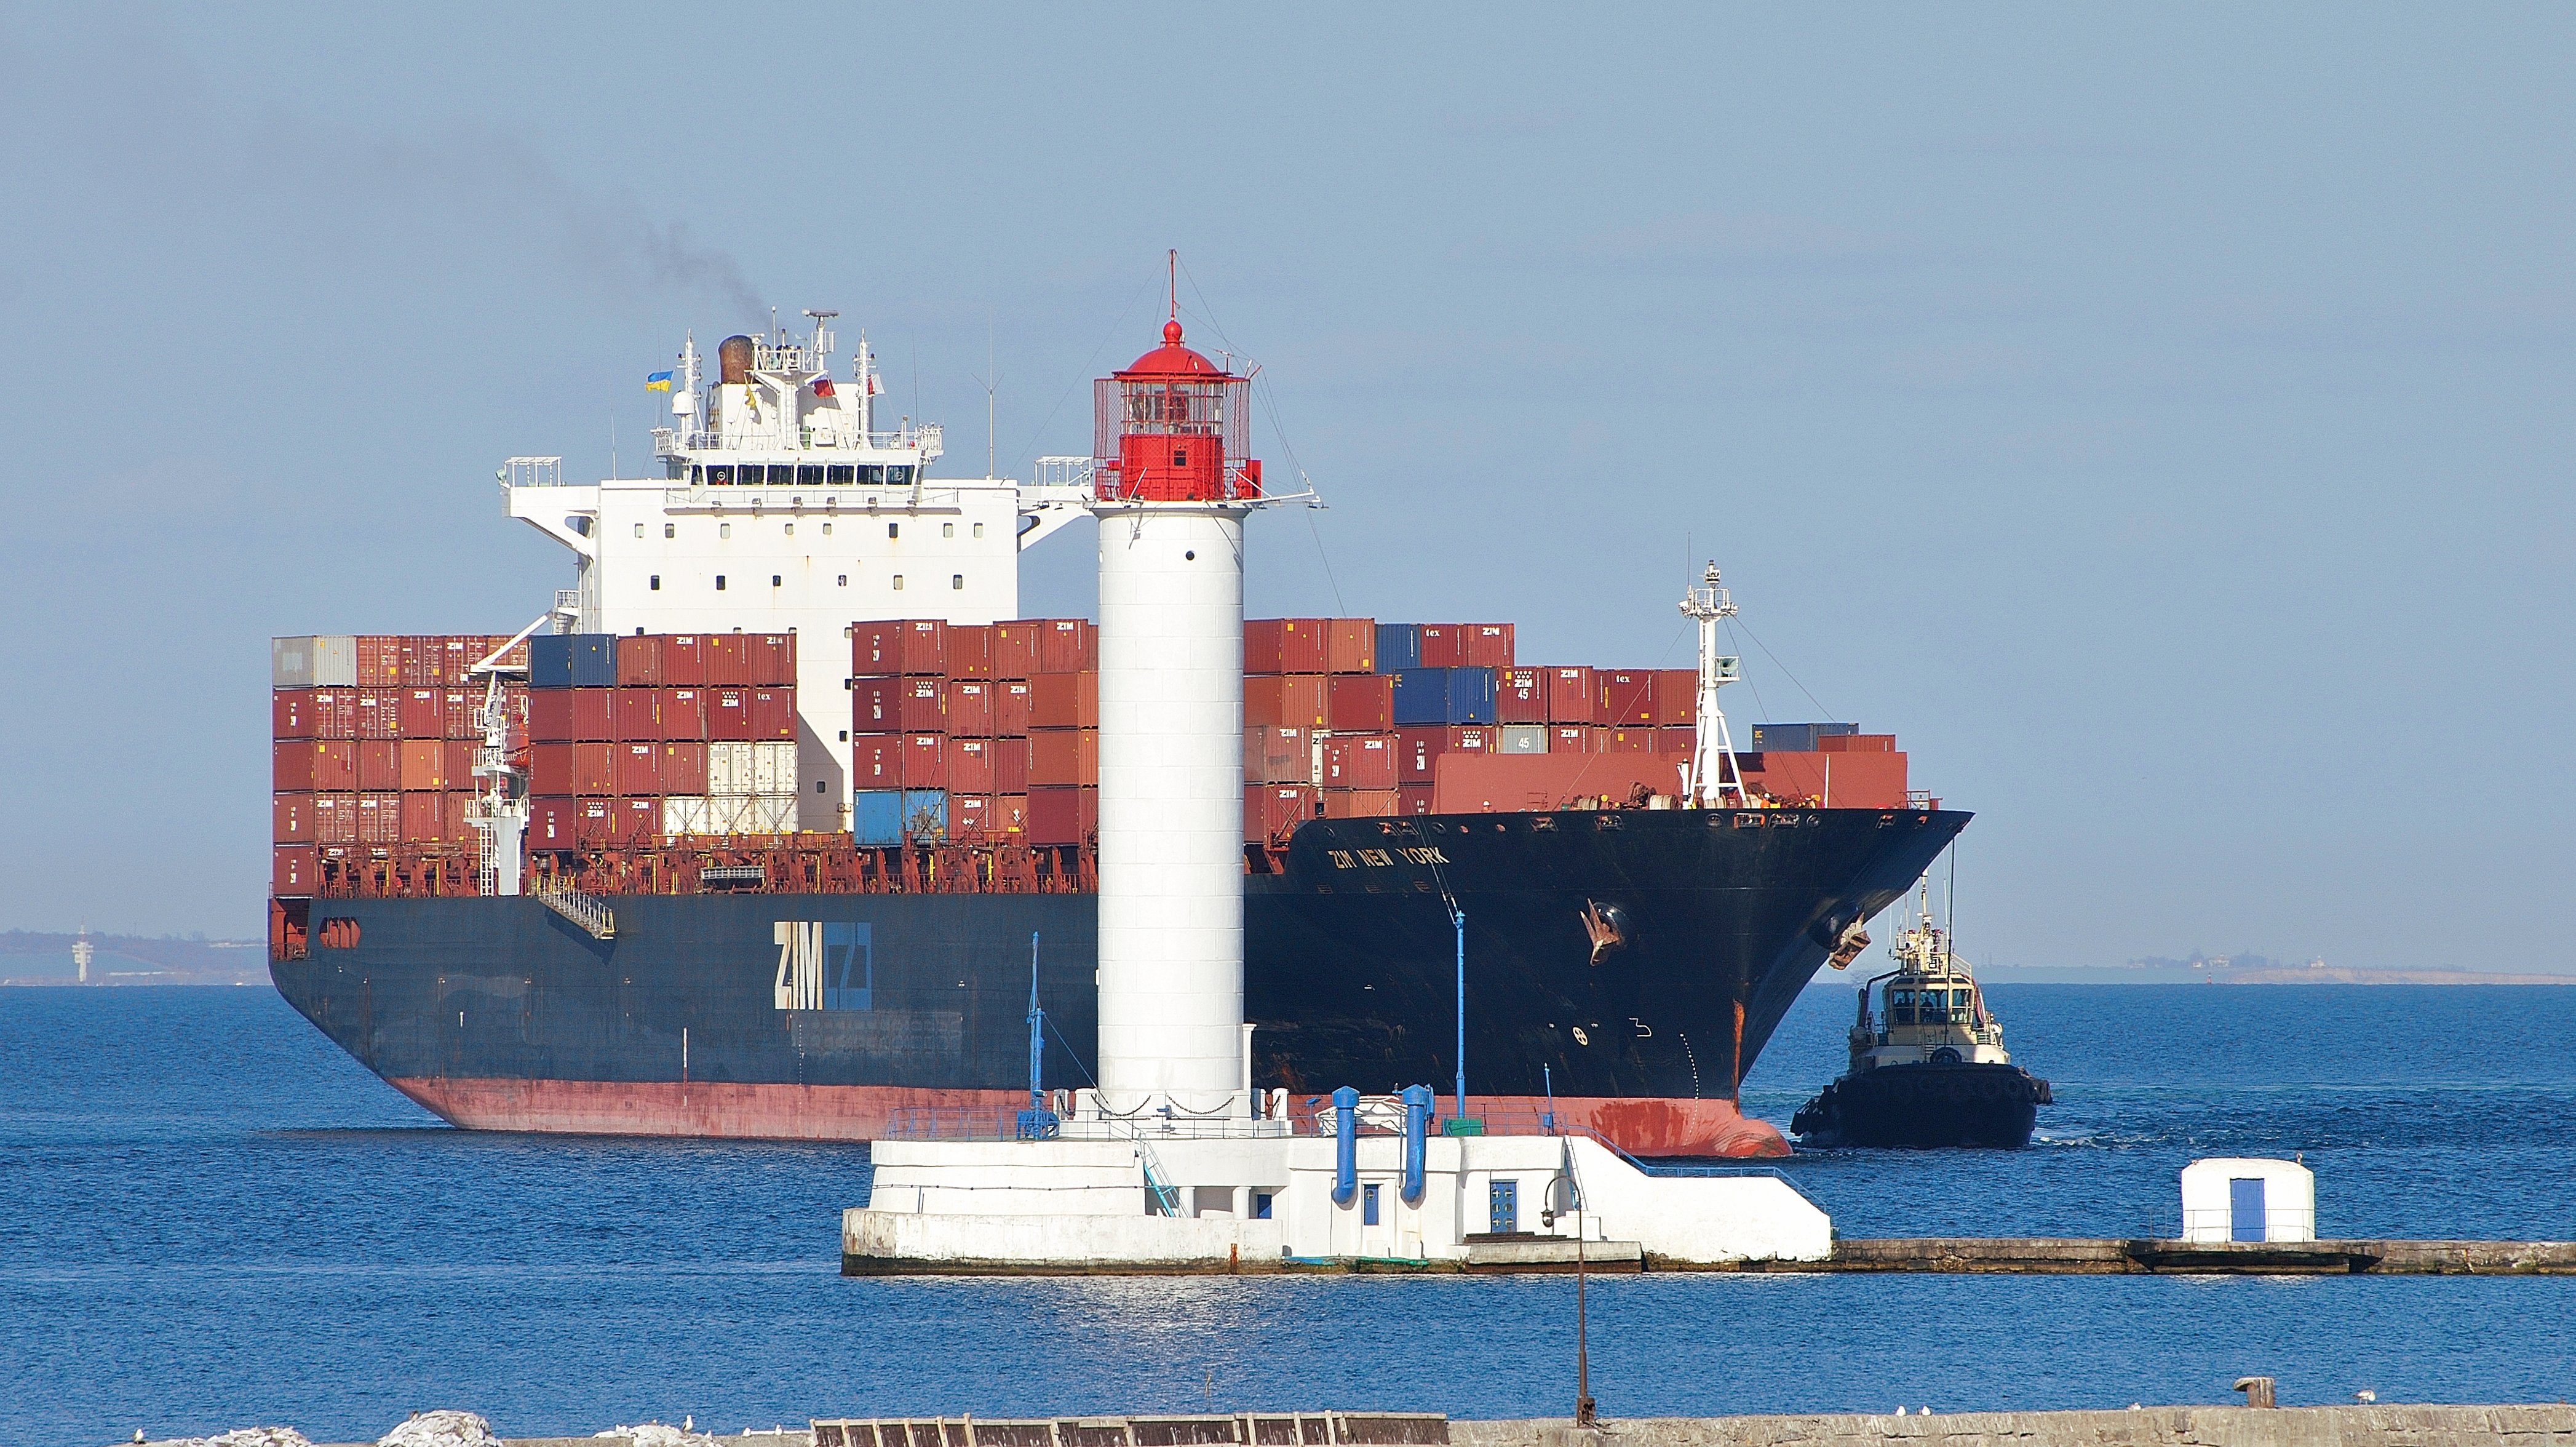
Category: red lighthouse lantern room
[1173,428]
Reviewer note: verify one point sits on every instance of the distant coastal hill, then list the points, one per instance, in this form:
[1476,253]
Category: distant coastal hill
[31,958]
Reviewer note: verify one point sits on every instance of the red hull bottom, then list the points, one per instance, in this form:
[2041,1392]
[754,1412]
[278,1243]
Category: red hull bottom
[1645,1127]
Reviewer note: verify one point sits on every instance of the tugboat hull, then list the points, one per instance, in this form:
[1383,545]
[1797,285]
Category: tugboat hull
[1989,1105]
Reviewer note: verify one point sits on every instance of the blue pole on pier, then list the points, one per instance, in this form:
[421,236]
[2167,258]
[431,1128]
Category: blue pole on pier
[1458,921]
[1037,1033]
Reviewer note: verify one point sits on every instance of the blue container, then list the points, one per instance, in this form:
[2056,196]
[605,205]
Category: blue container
[925,813]
[549,660]
[1444,696]
[594,660]
[1795,738]
[876,818]
[1399,646]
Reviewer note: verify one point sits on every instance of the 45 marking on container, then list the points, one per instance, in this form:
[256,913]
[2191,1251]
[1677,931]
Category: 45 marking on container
[823,965]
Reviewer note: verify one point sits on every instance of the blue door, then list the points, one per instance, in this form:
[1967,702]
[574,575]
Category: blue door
[2245,1209]
[1504,1200]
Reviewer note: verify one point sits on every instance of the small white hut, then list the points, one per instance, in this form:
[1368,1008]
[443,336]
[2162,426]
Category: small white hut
[2244,1198]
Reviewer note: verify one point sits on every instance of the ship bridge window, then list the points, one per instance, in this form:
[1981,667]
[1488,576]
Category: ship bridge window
[809,474]
[670,530]
[1900,1007]
[840,472]
[783,473]
[697,474]
[871,474]
[899,476]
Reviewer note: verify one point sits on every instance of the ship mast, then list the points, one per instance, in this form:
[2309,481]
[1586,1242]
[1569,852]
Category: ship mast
[1712,773]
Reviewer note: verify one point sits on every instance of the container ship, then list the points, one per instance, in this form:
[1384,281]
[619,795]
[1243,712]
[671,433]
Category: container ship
[771,823]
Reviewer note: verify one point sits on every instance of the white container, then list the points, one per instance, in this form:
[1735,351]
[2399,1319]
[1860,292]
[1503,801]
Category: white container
[729,814]
[773,768]
[324,660]
[684,816]
[729,768]
[1523,738]
[773,814]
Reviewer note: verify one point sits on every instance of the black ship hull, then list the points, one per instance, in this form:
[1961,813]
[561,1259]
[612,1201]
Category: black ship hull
[1989,1105]
[1628,965]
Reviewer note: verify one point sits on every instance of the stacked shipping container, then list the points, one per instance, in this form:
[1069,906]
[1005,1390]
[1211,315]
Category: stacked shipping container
[974,730]
[372,747]
[650,735]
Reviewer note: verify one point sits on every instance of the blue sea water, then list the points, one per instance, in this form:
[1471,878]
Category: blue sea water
[209,1216]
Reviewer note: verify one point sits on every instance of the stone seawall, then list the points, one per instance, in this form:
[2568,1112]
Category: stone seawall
[2538,1425]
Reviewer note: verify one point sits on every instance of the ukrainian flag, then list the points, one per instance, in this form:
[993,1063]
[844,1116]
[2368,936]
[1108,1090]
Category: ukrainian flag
[658,382]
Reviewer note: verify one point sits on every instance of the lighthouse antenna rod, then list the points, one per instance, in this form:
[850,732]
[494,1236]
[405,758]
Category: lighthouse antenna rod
[1458,922]
[1037,1032]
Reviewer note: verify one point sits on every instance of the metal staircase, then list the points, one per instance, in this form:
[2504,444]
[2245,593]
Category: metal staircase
[588,911]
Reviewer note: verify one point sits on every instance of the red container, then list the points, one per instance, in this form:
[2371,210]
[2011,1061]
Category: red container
[925,646]
[637,718]
[290,818]
[1293,699]
[1872,780]
[636,820]
[594,714]
[290,714]
[1676,696]
[462,651]
[1276,754]
[460,830]
[1360,803]
[773,660]
[335,818]
[295,872]
[970,650]
[970,768]
[1443,645]
[1577,739]
[461,708]
[379,765]
[1010,766]
[1011,813]
[421,713]
[594,769]
[424,818]
[727,659]
[876,647]
[291,766]
[684,768]
[1360,703]
[422,767]
[1273,811]
[1628,741]
[923,706]
[969,705]
[420,657]
[335,713]
[639,662]
[1856,744]
[380,713]
[1485,645]
[1062,816]
[1412,799]
[876,703]
[1064,757]
[773,713]
[925,760]
[684,660]
[1360,761]
[1015,648]
[1350,645]
[970,814]
[638,770]
[460,764]
[379,661]
[876,761]
[1285,645]
[1416,750]
[1520,695]
[1627,697]
[335,765]
[1066,645]
[1473,739]
[550,715]
[1573,696]
[1683,741]
[594,820]
[380,818]
[682,714]
[550,823]
[550,768]
[1010,707]
[1064,700]
[728,713]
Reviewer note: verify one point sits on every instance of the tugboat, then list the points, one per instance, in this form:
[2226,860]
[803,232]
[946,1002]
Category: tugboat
[1931,1070]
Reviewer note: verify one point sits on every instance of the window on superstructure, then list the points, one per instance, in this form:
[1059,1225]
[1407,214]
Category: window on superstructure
[724,530]
[655,585]
[791,530]
[639,530]
[957,581]
[871,474]
[979,530]
[894,530]
[783,473]
[697,474]
[809,474]
[670,530]
[899,476]
[898,582]
[840,472]
[720,475]
[775,580]
[948,530]
[720,587]
[827,530]
[845,580]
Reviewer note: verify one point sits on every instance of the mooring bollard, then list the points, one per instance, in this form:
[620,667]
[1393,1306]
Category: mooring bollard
[2257,1390]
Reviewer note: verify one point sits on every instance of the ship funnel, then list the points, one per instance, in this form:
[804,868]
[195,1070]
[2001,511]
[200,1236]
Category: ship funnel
[733,360]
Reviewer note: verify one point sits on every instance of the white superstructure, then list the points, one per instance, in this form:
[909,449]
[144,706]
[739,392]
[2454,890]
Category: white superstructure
[782,507]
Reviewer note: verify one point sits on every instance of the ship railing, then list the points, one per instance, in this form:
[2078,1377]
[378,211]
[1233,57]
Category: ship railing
[1063,471]
[933,1124]
[927,437]
[586,910]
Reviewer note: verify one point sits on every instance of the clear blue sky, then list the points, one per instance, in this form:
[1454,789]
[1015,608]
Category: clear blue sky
[2160,417]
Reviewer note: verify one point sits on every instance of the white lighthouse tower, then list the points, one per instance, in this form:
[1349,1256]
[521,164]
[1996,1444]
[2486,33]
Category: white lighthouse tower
[1172,489]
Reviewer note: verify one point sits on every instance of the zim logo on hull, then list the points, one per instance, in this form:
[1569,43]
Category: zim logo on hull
[823,966]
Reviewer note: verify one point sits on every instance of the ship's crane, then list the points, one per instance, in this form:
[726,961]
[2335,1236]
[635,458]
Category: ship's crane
[1712,774]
